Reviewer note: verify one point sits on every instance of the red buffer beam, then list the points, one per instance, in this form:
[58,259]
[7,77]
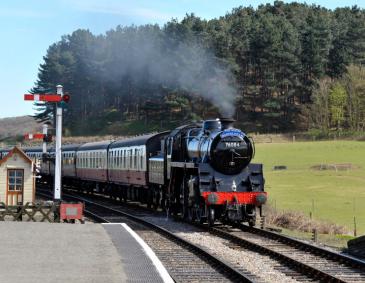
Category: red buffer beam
[43,97]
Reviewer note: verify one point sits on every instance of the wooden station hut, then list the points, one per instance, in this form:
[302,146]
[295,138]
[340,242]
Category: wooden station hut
[17,178]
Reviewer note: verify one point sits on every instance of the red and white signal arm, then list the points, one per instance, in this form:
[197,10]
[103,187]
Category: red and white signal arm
[34,136]
[43,97]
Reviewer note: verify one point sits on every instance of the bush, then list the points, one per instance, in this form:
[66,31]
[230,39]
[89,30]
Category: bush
[299,221]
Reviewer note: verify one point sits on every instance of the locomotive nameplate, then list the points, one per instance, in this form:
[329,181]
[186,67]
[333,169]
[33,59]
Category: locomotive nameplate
[232,133]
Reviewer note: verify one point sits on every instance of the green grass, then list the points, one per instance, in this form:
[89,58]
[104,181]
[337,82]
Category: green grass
[335,196]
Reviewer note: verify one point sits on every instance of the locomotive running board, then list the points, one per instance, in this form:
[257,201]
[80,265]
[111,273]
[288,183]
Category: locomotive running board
[183,164]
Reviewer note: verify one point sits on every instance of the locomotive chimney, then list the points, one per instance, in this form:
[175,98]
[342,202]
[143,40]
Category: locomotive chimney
[227,123]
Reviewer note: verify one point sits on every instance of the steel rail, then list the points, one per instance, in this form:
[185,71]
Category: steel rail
[340,258]
[298,266]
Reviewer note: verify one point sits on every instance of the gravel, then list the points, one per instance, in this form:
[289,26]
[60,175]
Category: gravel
[266,269]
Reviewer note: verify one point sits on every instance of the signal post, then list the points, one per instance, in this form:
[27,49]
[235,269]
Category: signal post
[58,173]
[60,99]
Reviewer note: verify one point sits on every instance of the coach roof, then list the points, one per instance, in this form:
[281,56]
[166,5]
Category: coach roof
[32,149]
[139,140]
[70,147]
[95,146]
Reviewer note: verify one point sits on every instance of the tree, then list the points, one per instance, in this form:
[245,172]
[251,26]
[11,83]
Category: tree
[354,82]
[337,103]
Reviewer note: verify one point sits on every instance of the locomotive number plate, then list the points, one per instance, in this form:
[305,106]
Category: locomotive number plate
[232,144]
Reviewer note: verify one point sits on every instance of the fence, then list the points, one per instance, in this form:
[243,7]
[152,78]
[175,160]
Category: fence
[36,212]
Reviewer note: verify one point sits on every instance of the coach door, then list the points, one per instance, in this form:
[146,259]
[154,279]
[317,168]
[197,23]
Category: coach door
[15,187]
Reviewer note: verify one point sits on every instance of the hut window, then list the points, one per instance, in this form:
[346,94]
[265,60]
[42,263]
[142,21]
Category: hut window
[15,180]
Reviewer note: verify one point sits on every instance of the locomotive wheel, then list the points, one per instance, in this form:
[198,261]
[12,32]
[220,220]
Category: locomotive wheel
[156,199]
[252,221]
[191,214]
[184,203]
[199,212]
[211,217]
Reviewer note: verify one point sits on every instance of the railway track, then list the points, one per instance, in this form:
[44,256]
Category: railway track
[184,261]
[315,262]
[298,260]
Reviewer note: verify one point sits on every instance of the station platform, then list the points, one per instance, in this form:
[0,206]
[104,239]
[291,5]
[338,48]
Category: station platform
[50,252]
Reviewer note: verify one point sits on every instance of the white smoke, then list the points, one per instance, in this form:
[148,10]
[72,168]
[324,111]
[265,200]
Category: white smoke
[184,66]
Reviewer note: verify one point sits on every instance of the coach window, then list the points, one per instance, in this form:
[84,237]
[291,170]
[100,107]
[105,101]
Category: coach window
[121,159]
[115,159]
[118,158]
[101,159]
[98,165]
[141,160]
[130,153]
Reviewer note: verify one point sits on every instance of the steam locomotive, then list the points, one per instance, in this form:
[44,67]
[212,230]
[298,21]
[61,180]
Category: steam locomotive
[200,172]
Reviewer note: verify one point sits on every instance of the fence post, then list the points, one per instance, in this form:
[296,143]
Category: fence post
[314,235]
[355,230]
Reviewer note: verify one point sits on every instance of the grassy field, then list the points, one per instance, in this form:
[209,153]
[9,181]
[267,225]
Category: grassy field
[329,195]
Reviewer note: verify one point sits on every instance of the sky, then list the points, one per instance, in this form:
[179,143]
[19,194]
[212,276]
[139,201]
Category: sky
[29,27]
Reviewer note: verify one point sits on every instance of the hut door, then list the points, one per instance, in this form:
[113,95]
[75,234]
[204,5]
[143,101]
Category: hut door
[15,187]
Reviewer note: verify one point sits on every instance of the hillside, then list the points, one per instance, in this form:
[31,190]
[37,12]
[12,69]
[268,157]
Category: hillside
[281,67]
[18,126]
